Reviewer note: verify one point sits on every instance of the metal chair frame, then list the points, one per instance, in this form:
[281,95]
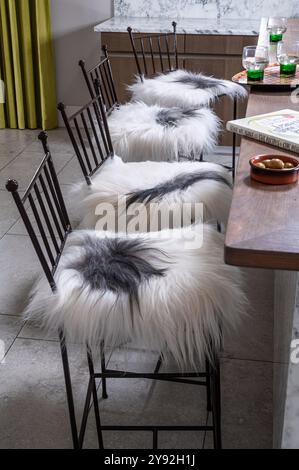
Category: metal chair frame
[144,70]
[102,73]
[81,126]
[147,47]
[50,204]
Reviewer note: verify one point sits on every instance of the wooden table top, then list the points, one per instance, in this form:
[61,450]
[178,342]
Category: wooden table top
[263,227]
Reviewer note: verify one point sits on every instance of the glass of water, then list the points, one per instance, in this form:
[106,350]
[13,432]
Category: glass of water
[288,57]
[276,27]
[255,60]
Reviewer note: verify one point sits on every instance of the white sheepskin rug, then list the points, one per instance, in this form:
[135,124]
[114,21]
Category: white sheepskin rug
[140,132]
[149,189]
[184,89]
[160,289]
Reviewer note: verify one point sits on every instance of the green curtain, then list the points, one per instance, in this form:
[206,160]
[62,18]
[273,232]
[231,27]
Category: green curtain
[27,65]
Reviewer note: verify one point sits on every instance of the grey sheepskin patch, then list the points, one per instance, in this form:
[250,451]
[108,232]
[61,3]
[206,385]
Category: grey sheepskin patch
[199,81]
[117,265]
[179,183]
[171,117]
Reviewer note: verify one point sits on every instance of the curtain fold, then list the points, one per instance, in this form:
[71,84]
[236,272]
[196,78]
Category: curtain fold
[27,65]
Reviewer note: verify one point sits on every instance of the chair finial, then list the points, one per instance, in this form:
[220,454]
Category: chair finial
[61,106]
[12,185]
[43,137]
[105,50]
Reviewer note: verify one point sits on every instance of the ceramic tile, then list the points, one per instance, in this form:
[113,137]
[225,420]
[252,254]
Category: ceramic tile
[9,213]
[9,329]
[33,401]
[19,268]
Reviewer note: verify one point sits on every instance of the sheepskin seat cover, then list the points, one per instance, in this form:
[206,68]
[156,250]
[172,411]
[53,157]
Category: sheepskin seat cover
[159,289]
[160,187]
[184,89]
[140,132]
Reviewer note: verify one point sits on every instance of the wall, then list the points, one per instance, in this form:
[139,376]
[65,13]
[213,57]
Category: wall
[72,23]
[251,9]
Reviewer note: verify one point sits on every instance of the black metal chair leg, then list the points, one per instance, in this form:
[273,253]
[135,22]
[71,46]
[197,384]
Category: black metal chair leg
[95,400]
[158,365]
[216,404]
[208,389]
[104,380]
[155,439]
[69,392]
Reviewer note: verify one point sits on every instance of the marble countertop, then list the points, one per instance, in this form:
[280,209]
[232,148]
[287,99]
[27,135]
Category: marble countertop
[236,27]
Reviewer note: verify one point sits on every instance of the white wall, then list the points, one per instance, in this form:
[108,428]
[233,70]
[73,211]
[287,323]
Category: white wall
[74,39]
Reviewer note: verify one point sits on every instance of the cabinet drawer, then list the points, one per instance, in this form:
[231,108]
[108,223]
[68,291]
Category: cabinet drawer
[221,45]
[120,42]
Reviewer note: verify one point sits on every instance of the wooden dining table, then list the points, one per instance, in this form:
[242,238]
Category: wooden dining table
[263,232]
[263,227]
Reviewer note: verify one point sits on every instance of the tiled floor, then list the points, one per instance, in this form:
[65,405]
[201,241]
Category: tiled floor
[33,412]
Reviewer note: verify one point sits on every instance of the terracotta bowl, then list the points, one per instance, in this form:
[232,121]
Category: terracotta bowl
[271,175]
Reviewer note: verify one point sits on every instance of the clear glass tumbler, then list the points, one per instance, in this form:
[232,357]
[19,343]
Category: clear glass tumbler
[255,60]
[288,57]
[276,27]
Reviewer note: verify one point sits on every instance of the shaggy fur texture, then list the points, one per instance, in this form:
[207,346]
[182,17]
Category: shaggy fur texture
[168,185]
[178,183]
[140,132]
[184,89]
[184,293]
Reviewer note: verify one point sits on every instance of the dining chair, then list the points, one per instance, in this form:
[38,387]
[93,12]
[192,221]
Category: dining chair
[158,185]
[161,81]
[140,132]
[104,290]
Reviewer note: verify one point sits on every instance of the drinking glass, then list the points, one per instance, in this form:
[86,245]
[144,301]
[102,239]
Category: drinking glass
[255,60]
[276,27]
[288,57]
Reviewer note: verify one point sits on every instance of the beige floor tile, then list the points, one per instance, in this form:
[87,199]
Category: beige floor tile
[19,268]
[9,328]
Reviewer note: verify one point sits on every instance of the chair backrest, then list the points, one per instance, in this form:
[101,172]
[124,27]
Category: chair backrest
[48,226]
[103,73]
[155,53]
[90,136]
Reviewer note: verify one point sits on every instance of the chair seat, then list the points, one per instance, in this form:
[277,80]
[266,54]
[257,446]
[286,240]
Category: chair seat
[159,186]
[184,89]
[140,132]
[169,290]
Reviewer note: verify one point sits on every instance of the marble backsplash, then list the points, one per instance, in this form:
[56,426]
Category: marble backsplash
[206,8]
